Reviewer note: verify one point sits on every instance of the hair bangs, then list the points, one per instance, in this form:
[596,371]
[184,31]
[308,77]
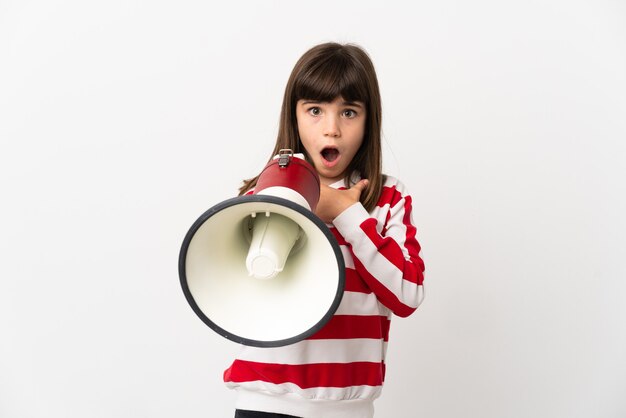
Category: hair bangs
[332,78]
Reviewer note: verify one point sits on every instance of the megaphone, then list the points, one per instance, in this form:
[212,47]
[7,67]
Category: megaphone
[262,269]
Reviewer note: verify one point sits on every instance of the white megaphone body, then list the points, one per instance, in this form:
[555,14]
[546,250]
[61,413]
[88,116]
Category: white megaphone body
[262,269]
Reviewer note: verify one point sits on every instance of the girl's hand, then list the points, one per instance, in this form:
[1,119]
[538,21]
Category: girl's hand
[333,202]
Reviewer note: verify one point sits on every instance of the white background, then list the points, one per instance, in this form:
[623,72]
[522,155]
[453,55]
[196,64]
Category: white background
[122,121]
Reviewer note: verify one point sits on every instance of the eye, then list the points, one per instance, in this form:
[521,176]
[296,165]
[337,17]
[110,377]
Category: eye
[349,113]
[315,111]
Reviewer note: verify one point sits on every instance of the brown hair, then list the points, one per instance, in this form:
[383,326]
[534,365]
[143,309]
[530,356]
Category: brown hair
[324,73]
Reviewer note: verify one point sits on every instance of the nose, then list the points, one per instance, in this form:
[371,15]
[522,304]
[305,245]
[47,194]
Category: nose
[331,127]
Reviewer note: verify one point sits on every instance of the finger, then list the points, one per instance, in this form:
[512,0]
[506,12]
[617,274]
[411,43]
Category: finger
[361,185]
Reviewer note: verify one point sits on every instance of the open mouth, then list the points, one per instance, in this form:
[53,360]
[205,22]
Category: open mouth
[330,154]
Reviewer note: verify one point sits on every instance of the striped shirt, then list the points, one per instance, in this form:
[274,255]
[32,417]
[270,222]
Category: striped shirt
[345,360]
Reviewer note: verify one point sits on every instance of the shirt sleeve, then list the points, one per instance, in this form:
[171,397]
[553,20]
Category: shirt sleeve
[386,256]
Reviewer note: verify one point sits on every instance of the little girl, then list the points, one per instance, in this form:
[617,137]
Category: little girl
[331,113]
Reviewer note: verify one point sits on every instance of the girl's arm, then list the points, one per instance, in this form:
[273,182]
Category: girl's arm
[386,256]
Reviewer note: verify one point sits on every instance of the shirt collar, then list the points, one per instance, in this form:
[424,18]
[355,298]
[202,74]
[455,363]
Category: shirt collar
[354,179]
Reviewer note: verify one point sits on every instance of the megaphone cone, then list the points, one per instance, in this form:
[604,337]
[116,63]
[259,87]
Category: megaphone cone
[263,270]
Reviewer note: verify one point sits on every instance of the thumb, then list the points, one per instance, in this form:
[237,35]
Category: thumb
[361,185]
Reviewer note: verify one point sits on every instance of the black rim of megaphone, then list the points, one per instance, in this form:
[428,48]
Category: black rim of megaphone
[266,199]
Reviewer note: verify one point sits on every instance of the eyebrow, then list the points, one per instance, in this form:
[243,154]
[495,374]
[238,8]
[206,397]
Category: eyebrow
[344,103]
[355,104]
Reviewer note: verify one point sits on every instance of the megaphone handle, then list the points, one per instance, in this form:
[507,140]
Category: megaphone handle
[284,156]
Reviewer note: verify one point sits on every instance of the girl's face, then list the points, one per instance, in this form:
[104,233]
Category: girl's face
[331,133]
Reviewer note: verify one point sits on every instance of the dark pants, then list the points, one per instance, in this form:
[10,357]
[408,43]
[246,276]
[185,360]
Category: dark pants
[240,413]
